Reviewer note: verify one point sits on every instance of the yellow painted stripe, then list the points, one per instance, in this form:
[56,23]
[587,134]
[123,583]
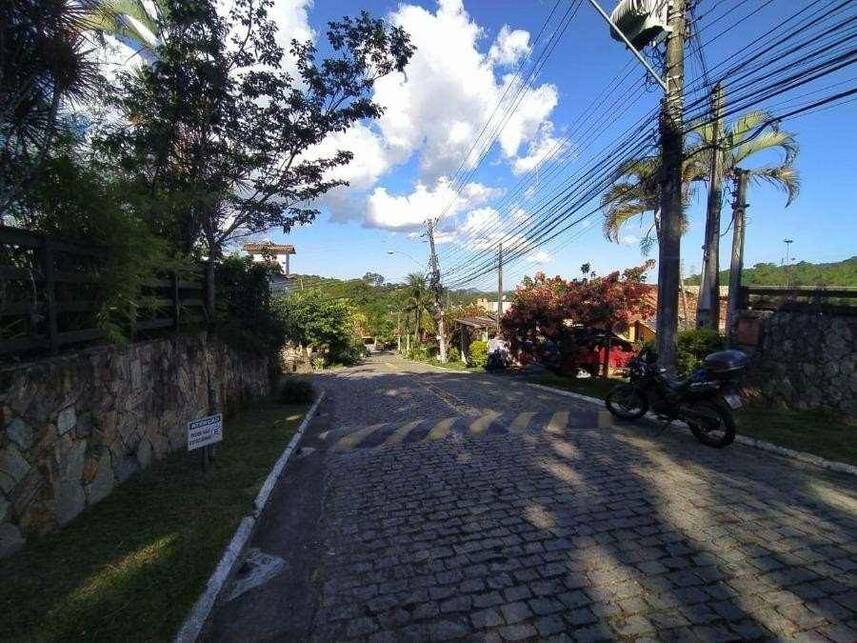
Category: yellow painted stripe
[441,429]
[481,424]
[400,433]
[522,421]
[353,439]
[558,422]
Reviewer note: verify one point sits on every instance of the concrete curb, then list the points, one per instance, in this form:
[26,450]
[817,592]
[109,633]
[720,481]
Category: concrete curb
[762,445]
[195,621]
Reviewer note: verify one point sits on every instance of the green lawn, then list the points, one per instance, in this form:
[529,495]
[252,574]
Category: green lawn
[822,433]
[131,567]
[592,386]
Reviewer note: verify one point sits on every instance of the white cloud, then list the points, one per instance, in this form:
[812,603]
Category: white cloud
[292,20]
[539,151]
[510,46]
[629,240]
[438,108]
[410,211]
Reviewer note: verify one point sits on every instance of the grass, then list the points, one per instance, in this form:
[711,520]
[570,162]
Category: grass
[131,567]
[823,433]
[452,366]
[592,386]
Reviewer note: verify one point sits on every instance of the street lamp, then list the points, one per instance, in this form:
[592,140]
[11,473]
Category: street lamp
[399,252]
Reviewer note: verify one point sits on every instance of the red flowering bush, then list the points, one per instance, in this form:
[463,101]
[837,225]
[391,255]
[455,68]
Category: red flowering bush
[553,320]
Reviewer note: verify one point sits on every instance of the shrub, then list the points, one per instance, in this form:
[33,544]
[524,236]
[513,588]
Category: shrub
[246,317]
[295,391]
[479,353]
[311,318]
[693,345]
[452,354]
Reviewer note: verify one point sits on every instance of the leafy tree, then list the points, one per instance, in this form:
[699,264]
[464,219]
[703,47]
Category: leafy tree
[221,140]
[44,67]
[552,311]
[311,319]
[374,279]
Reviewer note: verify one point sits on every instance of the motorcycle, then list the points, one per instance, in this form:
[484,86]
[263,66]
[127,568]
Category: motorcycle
[705,400]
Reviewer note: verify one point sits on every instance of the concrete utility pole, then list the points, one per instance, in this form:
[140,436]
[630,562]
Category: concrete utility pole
[737,263]
[499,285]
[708,307]
[437,290]
[672,152]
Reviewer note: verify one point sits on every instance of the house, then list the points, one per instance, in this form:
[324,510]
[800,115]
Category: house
[270,252]
[491,306]
[643,330]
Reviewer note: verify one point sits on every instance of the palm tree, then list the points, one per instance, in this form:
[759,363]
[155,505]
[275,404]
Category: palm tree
[44,67]
[418,299]
[636,192]
[752,134]
[132,22]
[755,132]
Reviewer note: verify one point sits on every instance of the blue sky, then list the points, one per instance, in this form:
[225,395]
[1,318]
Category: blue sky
[400,163]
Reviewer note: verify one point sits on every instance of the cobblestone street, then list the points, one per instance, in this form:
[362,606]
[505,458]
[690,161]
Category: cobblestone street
[430,504]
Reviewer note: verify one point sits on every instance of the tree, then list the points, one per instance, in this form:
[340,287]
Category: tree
[549,313]
[751,135]
[374,279]
[311,319]
[44,67]
[133,22]
[636,192]
[221,141]
[418,300]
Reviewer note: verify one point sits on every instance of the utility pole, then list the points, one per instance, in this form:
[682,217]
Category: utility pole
[737,263]
[499,286]
[437,291]
[672,152]
[708,307]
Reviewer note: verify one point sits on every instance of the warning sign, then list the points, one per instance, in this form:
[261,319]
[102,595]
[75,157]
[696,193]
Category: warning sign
[204,431]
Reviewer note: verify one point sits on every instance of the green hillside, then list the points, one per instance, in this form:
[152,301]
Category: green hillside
[840,273]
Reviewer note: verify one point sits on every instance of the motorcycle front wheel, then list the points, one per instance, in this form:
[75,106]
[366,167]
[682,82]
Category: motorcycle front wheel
[627,402]
[712,424]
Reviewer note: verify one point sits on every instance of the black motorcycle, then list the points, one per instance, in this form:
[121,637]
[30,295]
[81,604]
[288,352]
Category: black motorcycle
[705,399]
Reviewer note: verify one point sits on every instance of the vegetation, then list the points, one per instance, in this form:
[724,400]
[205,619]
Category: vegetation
[838,273]
[327,326]
[150,545]
[292,390]
[246,315]
[166,166]
[693,345]
[554,315]
[479,353]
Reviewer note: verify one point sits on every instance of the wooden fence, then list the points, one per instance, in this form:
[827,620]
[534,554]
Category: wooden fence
[52,290]
[834,300]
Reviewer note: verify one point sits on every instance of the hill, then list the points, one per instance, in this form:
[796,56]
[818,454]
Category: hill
[839,273]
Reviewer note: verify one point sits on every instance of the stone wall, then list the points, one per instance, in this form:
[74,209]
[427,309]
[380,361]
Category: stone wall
[72,427]
[805,360]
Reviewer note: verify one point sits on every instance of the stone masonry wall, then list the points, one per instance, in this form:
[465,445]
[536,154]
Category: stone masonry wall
[72,427]
[806,360]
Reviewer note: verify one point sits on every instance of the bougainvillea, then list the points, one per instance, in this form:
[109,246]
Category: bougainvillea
[554,320]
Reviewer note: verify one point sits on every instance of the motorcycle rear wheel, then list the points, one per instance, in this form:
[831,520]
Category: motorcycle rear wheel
[627,402]
[714,425]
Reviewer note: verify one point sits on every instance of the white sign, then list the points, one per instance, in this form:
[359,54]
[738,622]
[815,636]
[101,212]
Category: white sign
[204,431]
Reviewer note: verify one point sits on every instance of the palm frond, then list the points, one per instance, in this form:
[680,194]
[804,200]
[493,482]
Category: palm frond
[767,140]
[783,177]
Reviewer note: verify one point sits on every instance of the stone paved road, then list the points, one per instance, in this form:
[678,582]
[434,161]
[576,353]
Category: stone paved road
[432,505]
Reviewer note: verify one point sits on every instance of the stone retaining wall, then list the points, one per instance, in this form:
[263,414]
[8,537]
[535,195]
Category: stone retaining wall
[805,360]
[72,427]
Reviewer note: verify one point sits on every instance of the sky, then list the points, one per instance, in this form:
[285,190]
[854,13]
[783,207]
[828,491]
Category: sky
[467,53]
